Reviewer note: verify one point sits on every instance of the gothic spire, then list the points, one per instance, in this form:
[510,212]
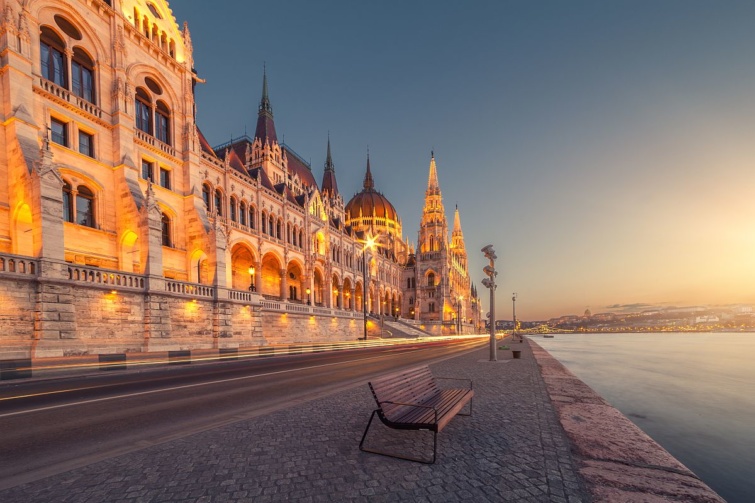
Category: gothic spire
[432,179]
[369,183]
[265,126]
[329,184]
[457,221]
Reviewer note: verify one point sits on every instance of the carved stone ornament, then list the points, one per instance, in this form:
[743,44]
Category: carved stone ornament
[206,174]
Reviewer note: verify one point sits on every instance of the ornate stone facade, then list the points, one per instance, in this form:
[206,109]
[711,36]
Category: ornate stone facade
[122,228]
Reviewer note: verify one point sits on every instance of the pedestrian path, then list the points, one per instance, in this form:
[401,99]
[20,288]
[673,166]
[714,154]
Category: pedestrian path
[512,448]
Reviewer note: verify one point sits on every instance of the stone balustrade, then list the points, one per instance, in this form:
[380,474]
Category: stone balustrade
[154,142]
[67,96]
[102,277]
[16,264]
[189,289]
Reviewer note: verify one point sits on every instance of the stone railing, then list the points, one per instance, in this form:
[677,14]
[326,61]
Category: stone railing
[17,264]
[106,278]
[281,306]
[67,96]
[154,142]
[189,289]
[242,296]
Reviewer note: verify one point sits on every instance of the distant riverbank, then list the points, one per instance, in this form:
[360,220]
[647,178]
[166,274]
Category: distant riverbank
[691,392]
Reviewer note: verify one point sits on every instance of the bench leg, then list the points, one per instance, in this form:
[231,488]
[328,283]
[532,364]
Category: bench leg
[470,409]
[418,460]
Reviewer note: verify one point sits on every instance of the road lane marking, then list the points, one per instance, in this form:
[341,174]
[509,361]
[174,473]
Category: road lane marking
[174,388]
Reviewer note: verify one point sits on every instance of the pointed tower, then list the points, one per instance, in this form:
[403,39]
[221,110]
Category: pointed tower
[266,152]
[433,233]
[457,237]
[329,184]
[265,126]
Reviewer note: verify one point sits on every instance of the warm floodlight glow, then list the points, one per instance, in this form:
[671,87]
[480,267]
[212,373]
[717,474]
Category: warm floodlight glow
[251,270]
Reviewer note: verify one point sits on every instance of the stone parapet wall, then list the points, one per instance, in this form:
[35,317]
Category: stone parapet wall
[617,460]
[76,317]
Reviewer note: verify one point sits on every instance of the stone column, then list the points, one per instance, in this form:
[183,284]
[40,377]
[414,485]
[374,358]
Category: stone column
[284,285]
[353,299]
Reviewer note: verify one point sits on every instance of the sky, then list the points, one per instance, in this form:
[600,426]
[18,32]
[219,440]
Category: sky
[605,149]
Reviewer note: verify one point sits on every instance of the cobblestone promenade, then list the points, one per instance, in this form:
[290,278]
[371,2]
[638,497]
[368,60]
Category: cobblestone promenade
[511,449]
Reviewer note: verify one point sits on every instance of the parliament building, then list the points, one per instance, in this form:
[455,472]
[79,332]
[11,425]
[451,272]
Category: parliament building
[122,229]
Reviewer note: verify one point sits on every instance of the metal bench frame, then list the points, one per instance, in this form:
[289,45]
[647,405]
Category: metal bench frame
[412,400]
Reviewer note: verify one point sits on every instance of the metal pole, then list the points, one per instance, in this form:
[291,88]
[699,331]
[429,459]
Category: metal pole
[493,353]
[364,290]
[513,302]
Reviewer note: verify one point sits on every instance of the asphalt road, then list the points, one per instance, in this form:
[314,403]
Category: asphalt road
[51,426]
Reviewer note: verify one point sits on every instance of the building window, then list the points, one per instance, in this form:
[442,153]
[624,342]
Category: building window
[165,178]
[52,57]
[84,207]
[432,307]
[82,75]
[252,217]
[148,170]
[264,223]
[219,202]
[166,230]
[143,109]
[67,202]
[162,123]
[86,143]
[206,196]
[431,279]
[232,209]
[59,132]
[242,213]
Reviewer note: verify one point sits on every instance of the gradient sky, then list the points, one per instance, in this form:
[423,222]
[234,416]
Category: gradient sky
[605,148]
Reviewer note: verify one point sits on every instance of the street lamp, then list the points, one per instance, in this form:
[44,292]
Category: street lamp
[252,287]
[367,244]
[513,310]
[458,314]
[309,300]
[489,283]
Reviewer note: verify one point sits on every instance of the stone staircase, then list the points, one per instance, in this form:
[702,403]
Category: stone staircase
[399,329]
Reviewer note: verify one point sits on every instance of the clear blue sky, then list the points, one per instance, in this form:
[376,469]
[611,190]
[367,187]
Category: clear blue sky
[605,148]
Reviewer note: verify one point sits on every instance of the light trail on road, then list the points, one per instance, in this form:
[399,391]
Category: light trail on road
[54,425]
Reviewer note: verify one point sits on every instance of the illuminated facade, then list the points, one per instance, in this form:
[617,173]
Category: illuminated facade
[122,229]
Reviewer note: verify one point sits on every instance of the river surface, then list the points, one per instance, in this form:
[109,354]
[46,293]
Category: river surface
[693,393]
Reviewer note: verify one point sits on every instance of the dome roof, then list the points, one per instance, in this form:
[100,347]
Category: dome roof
[370,202]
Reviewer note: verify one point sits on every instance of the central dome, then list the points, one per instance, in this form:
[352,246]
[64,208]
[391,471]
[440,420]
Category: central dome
[371,209]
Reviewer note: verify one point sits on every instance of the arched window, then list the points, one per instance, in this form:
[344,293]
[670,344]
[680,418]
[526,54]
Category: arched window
[219,202]
[166,230]
[52,57]
[301,239]
[82,75]
[431,279]
[232,209]
[162,122]
[252,217]
[293,237]
[271,226]
[206,196]
[288,233]
[278,232]
[242,213]
[84,206]
[67,202]
[143,110]
[264,223]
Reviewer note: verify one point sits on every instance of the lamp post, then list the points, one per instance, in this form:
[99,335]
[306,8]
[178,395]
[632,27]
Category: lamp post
[252,287]
[309,300]
[489,283]
[458,314]
[513,310]
[368,244]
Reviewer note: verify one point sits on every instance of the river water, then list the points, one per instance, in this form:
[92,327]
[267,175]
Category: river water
[692,393]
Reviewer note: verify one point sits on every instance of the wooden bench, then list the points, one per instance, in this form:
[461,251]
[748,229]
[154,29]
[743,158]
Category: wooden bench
[412,400]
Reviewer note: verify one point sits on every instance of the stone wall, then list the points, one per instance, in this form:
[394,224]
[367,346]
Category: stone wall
[285,328]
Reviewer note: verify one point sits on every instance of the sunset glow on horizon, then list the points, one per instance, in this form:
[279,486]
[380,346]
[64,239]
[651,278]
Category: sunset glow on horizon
[604,148]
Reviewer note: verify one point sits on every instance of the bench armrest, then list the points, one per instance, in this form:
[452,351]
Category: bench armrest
[456,379]
[435,411]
